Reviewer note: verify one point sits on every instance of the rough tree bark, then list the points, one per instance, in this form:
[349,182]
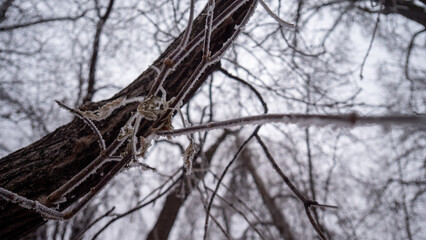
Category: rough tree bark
[40,168]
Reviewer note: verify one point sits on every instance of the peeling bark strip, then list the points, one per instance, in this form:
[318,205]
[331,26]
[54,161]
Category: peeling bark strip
[42,167]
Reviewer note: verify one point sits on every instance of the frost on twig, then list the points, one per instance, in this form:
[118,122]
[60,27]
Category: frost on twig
[125,132]
[45,212]
[101,140]
[152,108]
[207,59]
[347,120]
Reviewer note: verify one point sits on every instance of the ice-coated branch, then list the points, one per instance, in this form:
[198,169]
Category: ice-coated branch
[208,29]
[85,173]
[206,62]
[89,122]
[216,57]
[343,120]
[45,212]
[169,62]
[233,7]
[188,30]
[176,57]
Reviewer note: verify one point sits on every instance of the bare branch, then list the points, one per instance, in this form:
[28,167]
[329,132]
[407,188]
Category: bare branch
[88,122]
[237,154]
[376,26]
[409,50]
[40,21]
[306,202]
[274,16]
[344,121]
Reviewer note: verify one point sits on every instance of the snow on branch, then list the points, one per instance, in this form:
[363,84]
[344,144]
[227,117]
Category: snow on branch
[101,140]
[46,212]
[208,61]
[344,120]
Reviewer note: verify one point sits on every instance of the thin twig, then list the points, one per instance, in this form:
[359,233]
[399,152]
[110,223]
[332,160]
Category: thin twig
[203,201]
[89,122]
[376,26]
[169,62]
[306,202]
[173,60]
[40,21]
[208,61]
[239,212]
[208,30]
[274,16]
[258,95]
[240,149]
[134,209]
[80,235]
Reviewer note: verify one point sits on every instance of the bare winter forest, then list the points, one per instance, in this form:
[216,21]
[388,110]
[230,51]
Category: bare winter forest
[212,119]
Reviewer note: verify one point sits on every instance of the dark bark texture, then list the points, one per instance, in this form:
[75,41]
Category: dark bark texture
[40,168]
[408,9]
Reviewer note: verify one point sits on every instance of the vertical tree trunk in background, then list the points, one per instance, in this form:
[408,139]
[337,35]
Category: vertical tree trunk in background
[95,50]
[278,219]
[173,203]
[40,168]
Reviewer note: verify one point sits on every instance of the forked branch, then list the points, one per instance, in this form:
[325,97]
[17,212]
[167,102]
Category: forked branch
[307,203]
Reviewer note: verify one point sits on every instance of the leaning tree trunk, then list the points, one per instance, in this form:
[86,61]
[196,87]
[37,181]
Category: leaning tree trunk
[42,167]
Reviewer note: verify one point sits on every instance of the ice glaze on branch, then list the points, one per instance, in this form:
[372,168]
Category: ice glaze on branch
[347,120]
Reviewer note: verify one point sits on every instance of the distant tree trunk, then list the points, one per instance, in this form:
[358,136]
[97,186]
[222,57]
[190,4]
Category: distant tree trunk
[3,9]
[278,219]
[173,203]
[40,168]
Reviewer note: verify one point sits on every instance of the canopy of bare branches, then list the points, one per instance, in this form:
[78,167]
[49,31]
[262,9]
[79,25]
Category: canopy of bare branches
[214,119]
